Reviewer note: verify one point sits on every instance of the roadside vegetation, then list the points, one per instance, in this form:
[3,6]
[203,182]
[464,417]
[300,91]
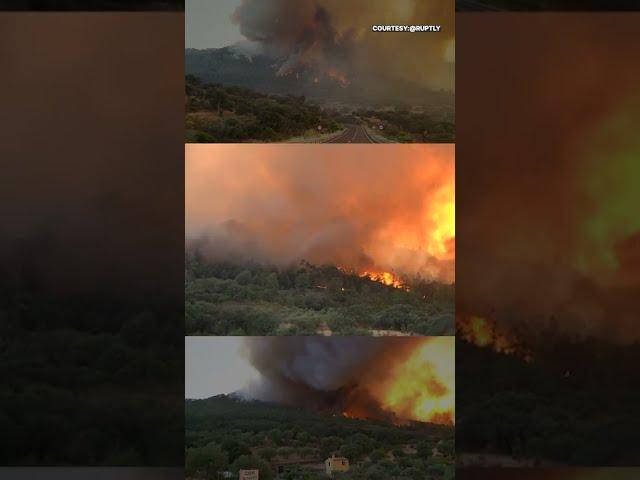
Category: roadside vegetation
[217,113]
[403,126]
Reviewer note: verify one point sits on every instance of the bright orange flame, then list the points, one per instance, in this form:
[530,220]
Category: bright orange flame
[483,333]
[403,242]
[386,278]
[444,218]
[401,213]
[423,387]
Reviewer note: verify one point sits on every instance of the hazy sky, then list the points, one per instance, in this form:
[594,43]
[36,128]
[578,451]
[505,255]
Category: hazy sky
[208,23]
[214,365]
[284,203]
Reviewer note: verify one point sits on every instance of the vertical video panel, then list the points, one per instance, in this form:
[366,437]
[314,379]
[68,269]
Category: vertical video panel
[549,272]
[320,240]
[320,71]
[91,199]
[320,407]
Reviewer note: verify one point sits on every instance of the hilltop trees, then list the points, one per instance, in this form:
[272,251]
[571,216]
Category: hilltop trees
[251,299]
[282,434]
[205,461]
[217,113]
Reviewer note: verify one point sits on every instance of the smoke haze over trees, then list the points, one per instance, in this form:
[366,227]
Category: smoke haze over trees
[288,239]
[548,242]
[333,40]
[283,204]
[90,335]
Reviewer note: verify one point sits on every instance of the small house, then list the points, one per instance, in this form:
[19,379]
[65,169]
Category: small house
[336,464]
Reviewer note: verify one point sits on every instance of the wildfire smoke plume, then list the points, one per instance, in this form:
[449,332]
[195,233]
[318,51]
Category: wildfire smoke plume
[549,223]
[334,40]
[482,332]
[389,379]
[371,210]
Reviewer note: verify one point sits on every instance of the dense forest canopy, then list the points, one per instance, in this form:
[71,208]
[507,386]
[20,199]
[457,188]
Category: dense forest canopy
[87,383]
[222,113]
[255,299]
[575,402]
[217,113]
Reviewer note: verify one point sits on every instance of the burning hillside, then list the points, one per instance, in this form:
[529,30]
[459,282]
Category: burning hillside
[283,204]
[333,40]
[386,278]
[393,379]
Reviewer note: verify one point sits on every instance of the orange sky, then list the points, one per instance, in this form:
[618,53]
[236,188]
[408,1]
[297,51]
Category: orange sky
[384,207]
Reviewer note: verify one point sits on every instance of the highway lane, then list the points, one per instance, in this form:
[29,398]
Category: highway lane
[353,134]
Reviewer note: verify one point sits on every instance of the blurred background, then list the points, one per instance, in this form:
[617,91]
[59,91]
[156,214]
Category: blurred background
[91,242]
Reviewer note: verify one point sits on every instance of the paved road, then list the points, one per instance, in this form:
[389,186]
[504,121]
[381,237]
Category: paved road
[353,134]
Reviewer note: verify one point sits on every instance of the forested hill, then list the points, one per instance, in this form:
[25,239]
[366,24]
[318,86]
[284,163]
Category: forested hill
[238,65]
[575,403]
[224,432]
[218,113]
[88,381]
[254,299]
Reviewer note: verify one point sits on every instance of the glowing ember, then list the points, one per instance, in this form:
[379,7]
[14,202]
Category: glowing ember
[423,386]
[356,413]
[483,333]
[341,78]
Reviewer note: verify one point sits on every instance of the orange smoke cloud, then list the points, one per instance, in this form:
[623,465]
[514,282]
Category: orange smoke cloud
[484,333]
[423,386]
[364,208]
[389,379]
[548,224]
